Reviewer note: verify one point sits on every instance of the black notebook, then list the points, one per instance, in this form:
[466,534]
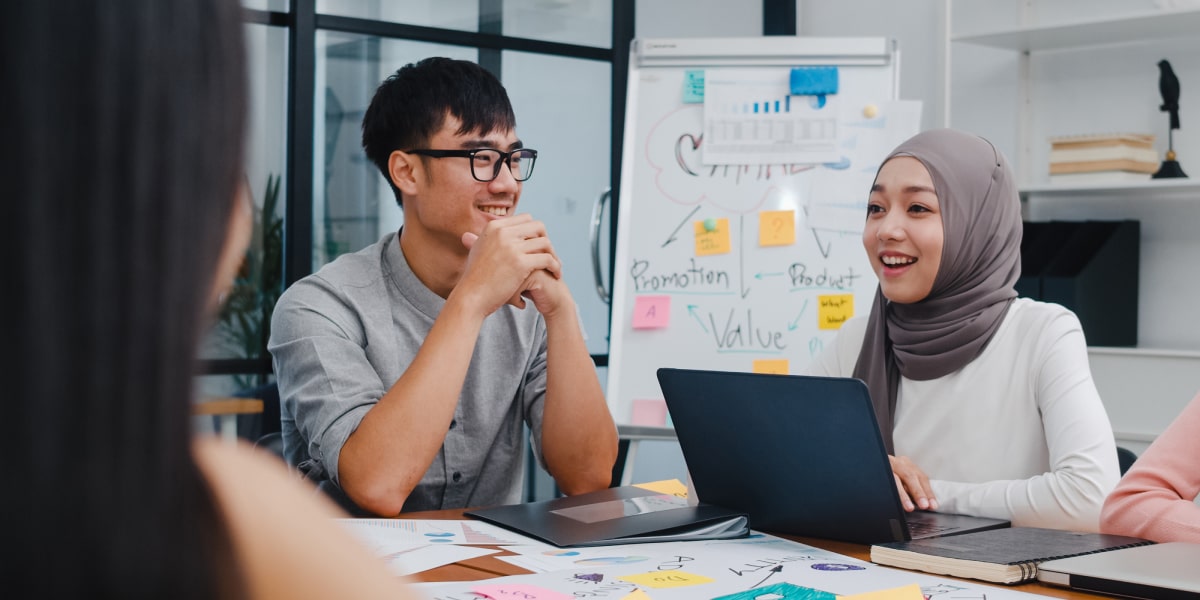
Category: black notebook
[1000,555]
[621,515]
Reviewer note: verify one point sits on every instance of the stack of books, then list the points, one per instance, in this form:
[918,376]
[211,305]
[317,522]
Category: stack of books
[1103,158]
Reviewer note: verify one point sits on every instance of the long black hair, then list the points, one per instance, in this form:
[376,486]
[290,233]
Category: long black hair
[123,124]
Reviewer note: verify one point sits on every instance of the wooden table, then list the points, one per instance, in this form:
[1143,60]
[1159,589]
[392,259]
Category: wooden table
[488,567]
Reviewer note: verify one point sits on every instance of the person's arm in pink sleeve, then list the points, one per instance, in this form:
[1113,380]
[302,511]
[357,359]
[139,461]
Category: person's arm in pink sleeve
[1156,498]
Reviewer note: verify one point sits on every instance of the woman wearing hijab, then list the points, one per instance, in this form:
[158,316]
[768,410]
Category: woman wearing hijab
[985,400]
[124,123]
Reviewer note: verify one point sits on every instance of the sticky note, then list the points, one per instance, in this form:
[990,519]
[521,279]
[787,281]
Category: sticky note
[693,86]
[648,412]
[715,241]
[780,591]
[636,595]
[651,312]
[673,487]
[519,591]
[833,310]
[908,592]
[667,579]
[777,366]
[777,228]
[814,80]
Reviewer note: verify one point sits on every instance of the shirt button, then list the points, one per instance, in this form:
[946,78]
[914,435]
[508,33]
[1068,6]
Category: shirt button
[456,477]
[453,423]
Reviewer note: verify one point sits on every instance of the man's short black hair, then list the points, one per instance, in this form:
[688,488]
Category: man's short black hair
[410,106]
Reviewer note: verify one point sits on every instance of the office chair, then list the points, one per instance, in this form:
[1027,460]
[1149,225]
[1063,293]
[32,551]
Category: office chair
[1125,458]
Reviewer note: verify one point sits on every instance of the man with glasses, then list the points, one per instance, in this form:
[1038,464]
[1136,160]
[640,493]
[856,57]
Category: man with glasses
[408,371]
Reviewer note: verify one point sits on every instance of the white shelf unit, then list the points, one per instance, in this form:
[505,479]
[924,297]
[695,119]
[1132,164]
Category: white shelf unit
[1098,74]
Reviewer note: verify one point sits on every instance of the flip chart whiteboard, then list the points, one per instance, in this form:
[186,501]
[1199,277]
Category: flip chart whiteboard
[727,258]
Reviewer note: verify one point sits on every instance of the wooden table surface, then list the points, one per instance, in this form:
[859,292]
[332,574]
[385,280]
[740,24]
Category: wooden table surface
[487,567]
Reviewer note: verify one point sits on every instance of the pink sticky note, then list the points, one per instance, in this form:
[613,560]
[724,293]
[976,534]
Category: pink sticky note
[652,412]
[519,591]
[651,312]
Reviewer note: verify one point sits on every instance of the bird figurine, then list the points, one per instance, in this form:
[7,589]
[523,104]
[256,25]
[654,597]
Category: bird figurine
[1168,86]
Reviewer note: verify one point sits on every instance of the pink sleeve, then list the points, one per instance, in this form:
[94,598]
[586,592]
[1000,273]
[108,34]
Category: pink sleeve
[1156,498]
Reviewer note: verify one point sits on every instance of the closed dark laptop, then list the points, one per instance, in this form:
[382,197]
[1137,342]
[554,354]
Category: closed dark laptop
[800,455]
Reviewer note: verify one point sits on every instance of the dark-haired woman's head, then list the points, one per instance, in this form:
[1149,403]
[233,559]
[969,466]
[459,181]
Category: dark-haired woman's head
[124,124]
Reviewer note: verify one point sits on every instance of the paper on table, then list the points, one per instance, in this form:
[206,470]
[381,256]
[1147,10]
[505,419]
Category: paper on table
[739,565]
[432,531]
[414,559]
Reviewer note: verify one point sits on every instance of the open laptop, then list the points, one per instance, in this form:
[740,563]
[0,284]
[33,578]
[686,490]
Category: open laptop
[800,455]
[1160,571]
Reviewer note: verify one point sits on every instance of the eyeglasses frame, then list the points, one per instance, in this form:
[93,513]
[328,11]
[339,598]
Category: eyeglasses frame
[504,158]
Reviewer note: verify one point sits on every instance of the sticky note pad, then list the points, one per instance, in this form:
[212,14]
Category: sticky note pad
[649,412]
[777,366]
[715,241]
[814,80]
[693,86]
[667,579]
[908,592]
[519,591]
[673,487]
[651,312]
[780,591]
[833,310]
[777,228]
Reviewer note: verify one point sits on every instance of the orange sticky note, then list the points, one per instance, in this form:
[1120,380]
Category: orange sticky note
[908,592]
[712,240]
[833,310]
[650,412]
[673,487]
[777,366]
[777,228]
[651,312]
[667,579]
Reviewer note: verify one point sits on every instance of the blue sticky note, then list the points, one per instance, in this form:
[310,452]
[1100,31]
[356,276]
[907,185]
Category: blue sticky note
[693,86]
[814,80]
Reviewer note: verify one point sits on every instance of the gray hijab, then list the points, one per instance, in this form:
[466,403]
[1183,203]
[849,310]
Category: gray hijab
[981,260]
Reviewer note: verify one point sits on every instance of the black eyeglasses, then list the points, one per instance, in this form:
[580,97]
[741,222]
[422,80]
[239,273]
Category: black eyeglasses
[485,162]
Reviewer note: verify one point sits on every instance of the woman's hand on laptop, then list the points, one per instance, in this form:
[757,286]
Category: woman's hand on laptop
[912,484]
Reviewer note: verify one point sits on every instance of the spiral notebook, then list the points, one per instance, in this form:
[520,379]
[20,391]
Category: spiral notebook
[1007,555]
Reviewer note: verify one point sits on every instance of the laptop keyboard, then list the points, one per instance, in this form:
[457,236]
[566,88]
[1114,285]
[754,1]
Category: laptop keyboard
[924,529]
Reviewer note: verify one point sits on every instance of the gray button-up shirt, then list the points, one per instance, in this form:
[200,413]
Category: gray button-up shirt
[340,339]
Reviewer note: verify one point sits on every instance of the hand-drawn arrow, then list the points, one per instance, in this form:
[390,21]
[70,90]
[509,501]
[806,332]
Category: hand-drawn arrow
[775,569]
[692,311]
[824,249]
[672,237]
[765,275]
[796,322]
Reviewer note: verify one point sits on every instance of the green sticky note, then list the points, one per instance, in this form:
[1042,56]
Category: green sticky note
[693,86]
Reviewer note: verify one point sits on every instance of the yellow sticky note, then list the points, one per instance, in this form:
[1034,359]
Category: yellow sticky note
[667,579]
[777,228]
[712,240]
[636,595]
[777,366]
[908,592]
[833,310]
[667,486]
